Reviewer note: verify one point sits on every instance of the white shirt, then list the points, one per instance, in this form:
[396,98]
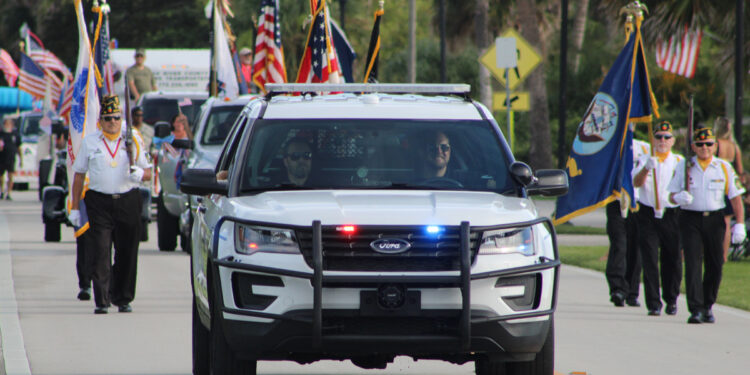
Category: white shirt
[640,148]
[708,187]
[95,158]
[664,172]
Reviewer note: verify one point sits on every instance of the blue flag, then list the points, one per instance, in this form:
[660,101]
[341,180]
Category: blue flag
[601,160]
[344,51]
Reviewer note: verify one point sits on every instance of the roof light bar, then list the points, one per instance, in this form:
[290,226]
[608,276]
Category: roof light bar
[399,88]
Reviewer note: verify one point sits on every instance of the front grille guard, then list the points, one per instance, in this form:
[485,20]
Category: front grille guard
[463,281]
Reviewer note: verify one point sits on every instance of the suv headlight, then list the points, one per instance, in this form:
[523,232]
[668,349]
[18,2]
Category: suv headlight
[252,239]
[507,241]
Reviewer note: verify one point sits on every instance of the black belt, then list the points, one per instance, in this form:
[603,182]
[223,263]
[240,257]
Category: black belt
[703,213]
[114,196]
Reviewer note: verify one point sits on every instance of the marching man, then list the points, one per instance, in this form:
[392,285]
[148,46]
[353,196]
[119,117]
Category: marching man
[657,223]
[702,220]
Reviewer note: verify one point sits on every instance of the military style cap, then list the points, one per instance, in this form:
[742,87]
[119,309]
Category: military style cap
[704,134]
[140,51]
[110,104]
[664,126]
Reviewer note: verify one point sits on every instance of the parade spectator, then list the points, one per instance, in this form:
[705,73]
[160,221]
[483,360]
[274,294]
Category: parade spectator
[246,64]
[10,147]
[181,127]
[702,221]
[727,149]
[113,204]
[657,223]
[140,78]
[146,132]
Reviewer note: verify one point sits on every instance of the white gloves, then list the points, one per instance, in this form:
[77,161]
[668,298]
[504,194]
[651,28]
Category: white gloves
[682,198]
[738,233]
[651,163]
[136,174]
[75,218]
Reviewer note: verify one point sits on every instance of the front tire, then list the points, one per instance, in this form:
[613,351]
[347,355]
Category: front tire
[51,232]
[542,364]
[201,358]
[222,359]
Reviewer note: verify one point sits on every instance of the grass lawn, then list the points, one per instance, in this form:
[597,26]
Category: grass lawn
[574,229]
[735,284]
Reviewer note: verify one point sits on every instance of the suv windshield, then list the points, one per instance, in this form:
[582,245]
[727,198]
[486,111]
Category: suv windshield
[31,126]
[163,109]
[218,124]
[375,154]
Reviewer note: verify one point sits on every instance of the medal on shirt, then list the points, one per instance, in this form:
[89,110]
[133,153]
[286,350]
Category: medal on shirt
[113,163]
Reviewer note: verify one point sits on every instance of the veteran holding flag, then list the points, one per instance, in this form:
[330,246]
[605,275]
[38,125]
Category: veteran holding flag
[657,222]
[702,221]
[113,204]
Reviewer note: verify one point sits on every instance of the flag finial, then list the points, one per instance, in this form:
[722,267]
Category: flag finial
[381,3]
[634,11]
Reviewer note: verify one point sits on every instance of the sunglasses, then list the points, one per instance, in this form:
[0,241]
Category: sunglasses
[662,136]
[294,156]
[704,144]
[110,118]
[443,147]
[137,114]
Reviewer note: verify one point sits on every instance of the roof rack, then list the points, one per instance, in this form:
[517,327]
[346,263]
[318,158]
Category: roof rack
[461,89]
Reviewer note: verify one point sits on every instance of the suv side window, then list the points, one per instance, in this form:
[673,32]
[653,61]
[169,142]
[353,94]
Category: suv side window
[229,150]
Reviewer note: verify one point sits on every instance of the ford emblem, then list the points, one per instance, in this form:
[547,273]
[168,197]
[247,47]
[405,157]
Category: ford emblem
[390,245]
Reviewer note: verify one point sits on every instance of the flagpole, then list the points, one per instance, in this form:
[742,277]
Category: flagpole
[18,88]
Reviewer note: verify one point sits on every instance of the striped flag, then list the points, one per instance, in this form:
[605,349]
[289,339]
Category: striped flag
[9,68]
[105,72]
[371,70]
[31,77]
[319,63]
[65,101]
[84,110]
[40,55]
[679,55]
[268,63]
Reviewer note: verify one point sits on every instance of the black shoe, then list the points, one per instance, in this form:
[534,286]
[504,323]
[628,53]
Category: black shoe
[100,310]
[84,294]
[632,301]
[618,299]
[7,197]
[696,318]
[654,312]
[671,309]
[124,308]
[708,317]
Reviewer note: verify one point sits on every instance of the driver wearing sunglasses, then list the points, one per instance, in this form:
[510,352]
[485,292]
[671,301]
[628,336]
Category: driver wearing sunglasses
[436,154]
[297,161]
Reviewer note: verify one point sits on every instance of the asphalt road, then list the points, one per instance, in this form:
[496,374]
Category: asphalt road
[44,330]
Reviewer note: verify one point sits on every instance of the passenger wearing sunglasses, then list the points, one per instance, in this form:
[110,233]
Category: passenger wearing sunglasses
[297,161]
[702,223]
[658,228]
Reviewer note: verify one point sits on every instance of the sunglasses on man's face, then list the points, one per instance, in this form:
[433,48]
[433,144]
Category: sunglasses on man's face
[110,118]
[443,147]
[704,144]
[662,136]
[294,156]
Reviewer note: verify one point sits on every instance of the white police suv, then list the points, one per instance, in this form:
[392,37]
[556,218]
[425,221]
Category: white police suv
[374,221]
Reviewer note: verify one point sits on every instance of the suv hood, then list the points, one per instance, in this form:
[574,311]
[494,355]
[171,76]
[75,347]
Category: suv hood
[368,207]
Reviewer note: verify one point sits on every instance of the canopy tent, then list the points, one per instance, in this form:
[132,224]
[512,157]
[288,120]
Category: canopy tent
[10,100]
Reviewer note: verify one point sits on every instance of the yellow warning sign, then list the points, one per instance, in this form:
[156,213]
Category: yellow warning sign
[519,101]
[528,59]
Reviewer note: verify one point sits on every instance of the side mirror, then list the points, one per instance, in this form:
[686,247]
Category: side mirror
[202,182]
[521,172]
[549,183]
[187,144]
[162,129]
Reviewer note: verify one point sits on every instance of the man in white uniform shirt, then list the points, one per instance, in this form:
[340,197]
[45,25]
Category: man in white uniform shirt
[113,205]
[702,223]
[657,224]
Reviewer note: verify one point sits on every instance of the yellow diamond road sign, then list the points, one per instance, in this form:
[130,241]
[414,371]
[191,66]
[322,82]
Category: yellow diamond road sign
[528,59]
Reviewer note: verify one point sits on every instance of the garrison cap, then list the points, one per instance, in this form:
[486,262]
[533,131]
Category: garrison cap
[704,134]
[110,104]
[664,126]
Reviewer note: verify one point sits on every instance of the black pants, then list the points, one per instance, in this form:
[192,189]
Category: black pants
[623,261]
[660,234]
[82,269]
[703,237]
[113,219]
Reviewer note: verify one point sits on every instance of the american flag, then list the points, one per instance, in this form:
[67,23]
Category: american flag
[65,102]
[40,55]
[268,63]
[31,77]
[105,72]
[9,68]
[319,63]
[679,54]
